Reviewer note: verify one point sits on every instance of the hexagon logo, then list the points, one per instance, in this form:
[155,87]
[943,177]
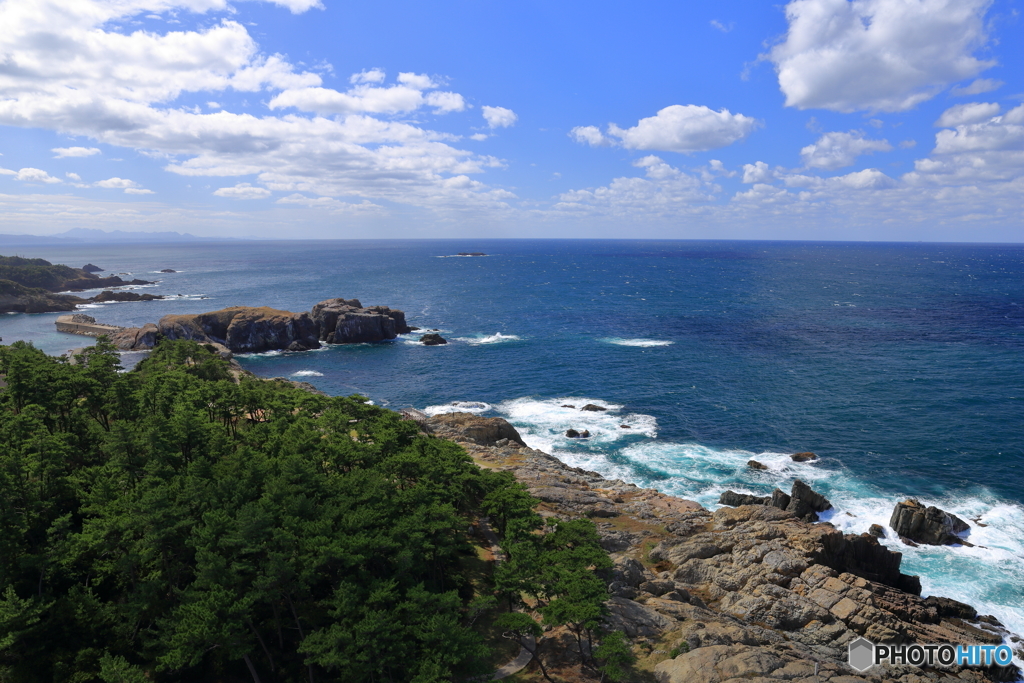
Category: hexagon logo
[861,654]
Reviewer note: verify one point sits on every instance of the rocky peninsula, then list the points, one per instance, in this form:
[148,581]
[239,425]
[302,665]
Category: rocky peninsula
[33,286]
[753,593]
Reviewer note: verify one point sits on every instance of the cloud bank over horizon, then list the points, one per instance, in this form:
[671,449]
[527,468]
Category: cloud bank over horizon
[134,110]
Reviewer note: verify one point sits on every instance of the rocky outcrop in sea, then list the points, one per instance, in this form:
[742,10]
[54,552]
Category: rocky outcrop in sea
[247,329]
[753,593]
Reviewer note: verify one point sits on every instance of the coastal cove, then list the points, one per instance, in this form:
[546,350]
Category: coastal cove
[899,365]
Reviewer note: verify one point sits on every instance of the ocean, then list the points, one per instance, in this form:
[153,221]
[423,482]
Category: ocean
[900,365]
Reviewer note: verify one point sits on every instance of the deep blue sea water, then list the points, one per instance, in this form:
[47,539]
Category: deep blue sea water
[901,365]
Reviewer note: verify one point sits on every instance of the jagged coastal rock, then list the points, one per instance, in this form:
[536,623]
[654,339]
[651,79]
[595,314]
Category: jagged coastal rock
[802,501]
[342,321]
[912,520]
[244,329]
[247,329]
[108,295]
[433,339]
[90,268]
[752,593]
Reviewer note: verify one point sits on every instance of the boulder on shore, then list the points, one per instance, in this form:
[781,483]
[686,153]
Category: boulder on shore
[486,431]
[802,501]
[345,321]
[930,525]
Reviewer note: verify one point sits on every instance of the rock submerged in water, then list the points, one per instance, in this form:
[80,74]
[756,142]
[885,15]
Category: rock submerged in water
[168,270]
[930,525]
[90,268]
[803,457]
[594,409]
[876,530]
[433,339]
[755,465]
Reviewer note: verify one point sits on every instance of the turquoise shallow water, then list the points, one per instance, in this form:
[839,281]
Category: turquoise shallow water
[901,365]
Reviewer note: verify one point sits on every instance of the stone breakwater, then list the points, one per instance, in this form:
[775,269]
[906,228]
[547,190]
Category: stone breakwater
[751,593]
[248,329]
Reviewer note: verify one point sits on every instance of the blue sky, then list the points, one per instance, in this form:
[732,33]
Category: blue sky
[816,119]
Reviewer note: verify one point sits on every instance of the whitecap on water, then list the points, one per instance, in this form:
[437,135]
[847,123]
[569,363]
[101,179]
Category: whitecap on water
[543,423]
[496,338]
[475,407]
[307,373]
[644,343]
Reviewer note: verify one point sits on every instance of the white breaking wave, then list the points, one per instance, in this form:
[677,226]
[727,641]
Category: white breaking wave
[543,423]
[475,407]
[307,373]
[989,576]
[496,338]
[644,343]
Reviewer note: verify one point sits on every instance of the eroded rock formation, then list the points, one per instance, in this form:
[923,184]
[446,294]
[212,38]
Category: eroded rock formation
[930,525]
[346,321]
[751,593]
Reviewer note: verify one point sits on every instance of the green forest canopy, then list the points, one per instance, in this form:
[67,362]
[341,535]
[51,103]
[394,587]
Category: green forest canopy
[174,524]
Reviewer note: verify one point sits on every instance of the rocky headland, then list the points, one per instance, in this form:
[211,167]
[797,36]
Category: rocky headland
[752,593]
[32,285]
[248,329]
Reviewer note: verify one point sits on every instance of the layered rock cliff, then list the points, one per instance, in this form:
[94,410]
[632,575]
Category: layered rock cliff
[245,329]
[751,593]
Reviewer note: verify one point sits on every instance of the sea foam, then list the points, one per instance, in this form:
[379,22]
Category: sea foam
[307,373]
[496,338]
[989,576]
[643,343]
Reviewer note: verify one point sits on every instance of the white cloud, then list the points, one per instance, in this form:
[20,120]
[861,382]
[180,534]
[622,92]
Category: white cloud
[73,176]
[757,172]
[973,112]
[122,89]
[416,81]
[677,128]
[137,190]
[331,204]
[116,183]
[977,87]
[724,28]
[367,97]
[990,151]
[63,152]
[665,191]
[444,102]
[499,117]
[479,137]
[879,55]
[243,191]
[299,6]
[836,150]
[368,76]
[590,135]
[32,175]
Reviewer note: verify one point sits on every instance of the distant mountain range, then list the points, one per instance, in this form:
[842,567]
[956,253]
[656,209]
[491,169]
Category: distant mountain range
[93,235]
